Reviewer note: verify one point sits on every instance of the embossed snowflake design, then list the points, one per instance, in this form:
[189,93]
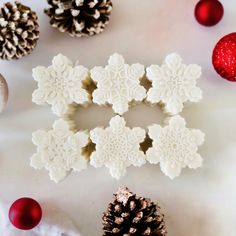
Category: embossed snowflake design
[175,146]
[64,85]
[59,150]
[117,147]
[60,85]
[173,84]
[118,84]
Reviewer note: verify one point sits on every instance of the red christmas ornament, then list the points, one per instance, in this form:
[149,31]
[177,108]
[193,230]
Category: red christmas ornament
[25,213]
[209,12]
[224,57]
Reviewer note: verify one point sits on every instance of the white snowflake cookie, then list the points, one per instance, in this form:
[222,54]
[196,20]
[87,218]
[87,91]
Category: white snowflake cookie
[60,85]
[173,84]
[59,150]
[117,147]
[118,84]
[175,146]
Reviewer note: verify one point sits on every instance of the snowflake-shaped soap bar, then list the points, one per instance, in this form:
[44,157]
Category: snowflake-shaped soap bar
[63,85]
[60,85]
[175,146]
[117,147]
[118,84]
[59,150]
[173,84]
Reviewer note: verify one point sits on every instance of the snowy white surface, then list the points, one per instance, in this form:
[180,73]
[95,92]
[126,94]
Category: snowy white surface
[200,202]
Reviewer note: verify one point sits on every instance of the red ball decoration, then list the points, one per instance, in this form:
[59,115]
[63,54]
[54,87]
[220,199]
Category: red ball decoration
[209,12]
[25,213]
[224,57]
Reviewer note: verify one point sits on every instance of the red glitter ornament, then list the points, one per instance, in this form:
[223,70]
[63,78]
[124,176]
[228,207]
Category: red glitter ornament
[224,57]
[209,12]
[25,213]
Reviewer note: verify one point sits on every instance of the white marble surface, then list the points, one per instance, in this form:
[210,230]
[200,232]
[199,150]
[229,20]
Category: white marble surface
[200,202]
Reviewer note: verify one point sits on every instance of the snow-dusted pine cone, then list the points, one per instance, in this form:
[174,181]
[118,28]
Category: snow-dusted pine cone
[129,215]
[19,31]
[79,17]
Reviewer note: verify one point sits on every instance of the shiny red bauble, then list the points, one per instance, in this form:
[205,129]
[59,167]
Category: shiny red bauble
[25,213]
[224,57]
[209,12]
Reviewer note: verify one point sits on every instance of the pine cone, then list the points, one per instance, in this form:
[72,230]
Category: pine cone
[18,31]
[79,17]
[129,215]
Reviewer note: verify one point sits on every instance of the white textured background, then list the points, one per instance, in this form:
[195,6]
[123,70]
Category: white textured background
[201,202]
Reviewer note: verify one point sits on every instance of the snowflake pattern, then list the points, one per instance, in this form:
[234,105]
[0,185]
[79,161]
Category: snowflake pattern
[173,84]
[59,150]
[118,84]
[117,147]
[60,85]
[175,146]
